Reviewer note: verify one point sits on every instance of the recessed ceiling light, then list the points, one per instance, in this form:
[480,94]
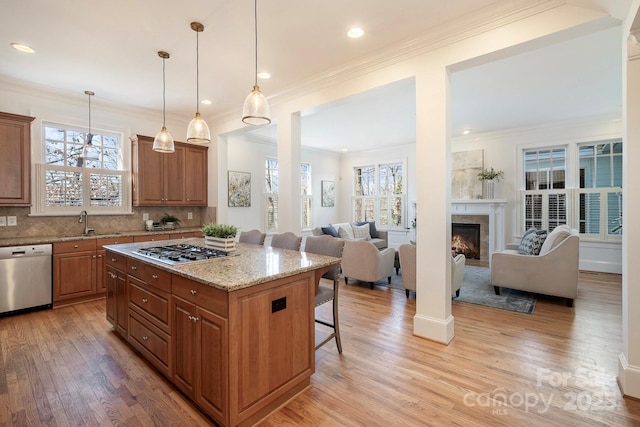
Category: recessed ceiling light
[466,131]
[344,150]
[206,102]
[264,75]
[22,47]
[355,33]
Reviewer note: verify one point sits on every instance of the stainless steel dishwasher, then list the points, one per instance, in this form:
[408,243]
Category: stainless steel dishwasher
[25,278]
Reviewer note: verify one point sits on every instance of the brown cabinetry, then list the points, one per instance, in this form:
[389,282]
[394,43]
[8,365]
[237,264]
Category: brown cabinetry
[201,346]
[15,161]
[116,281]
[169,179]
[74,269]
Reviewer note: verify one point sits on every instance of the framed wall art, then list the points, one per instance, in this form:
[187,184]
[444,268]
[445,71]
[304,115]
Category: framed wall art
[239,189]
[328,193]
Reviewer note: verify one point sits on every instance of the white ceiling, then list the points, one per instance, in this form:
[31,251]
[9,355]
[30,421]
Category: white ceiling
[111,48]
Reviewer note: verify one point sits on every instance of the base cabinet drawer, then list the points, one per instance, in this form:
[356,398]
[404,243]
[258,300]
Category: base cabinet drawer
[153,343]
[154,306]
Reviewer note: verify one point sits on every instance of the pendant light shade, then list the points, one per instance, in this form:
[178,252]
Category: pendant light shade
[89,152]
[163,141]
[255,110]
[198,130]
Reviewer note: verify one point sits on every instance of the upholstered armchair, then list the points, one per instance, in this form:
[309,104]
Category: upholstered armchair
[554,271]
[361,260]
[457,273]
[408,265]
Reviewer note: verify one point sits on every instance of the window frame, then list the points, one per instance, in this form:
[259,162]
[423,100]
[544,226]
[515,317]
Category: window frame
[374,202]
[39,171]
[572,190]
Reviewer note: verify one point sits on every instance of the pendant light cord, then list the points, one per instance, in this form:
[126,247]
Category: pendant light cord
[197,72]
[164,103]
[89,113]
[255,22]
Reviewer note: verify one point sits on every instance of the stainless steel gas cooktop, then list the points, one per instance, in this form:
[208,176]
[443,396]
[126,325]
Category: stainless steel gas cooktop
[181,253]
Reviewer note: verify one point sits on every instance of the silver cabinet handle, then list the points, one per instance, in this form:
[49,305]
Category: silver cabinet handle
[193,291]
[145,300]
[99,256]
[133,267]
[155,276]
[114,260]
[75,246]
[193,319]
[94,257]
[145,338]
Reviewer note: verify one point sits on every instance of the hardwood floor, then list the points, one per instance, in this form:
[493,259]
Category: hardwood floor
[556,367]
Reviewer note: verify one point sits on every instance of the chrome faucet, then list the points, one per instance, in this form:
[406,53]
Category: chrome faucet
[84,217]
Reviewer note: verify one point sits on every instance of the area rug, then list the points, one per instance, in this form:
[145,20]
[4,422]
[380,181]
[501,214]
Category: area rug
[477,289]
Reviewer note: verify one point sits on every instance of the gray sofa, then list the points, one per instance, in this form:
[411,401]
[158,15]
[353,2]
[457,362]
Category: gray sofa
[554,271]
[376,236]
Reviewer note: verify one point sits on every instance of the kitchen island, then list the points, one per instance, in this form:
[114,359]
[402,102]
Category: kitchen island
[235,334]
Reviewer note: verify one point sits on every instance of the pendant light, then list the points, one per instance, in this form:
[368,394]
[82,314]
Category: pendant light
[88,150]
[198,130]
[163,141]
[256,108]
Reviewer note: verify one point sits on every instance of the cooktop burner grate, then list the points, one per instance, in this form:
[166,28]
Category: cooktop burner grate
[181,253]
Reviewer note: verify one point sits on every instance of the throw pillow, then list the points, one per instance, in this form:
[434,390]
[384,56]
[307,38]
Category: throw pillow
[361,232]
[373,232]
[330,230]
[532,242]
[345,232]
[557,236]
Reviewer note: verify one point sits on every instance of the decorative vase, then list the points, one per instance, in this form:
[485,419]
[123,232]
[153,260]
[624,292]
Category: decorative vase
[489,189]
[227,244]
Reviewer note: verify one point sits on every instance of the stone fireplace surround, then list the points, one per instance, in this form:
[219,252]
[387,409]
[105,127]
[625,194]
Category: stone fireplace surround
[490,214]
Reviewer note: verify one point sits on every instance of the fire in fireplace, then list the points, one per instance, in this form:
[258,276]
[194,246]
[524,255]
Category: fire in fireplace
[465,239]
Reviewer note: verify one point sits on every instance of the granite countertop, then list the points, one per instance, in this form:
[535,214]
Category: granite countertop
[37,240]
[252,264]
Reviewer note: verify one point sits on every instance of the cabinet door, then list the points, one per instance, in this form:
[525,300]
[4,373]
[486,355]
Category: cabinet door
[101,286]
[184,345]
[212,362]
[122,307]
[15,161]
[196,176]
[147,174]
[174,176]
[74,275]
[111,280]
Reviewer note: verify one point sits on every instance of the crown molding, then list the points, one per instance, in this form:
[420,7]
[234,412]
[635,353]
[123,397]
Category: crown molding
[21,87]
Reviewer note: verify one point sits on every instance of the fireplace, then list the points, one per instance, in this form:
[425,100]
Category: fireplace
[465,239]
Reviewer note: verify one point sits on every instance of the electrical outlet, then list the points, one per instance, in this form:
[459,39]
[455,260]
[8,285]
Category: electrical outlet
[189,215]
[3,221]
[12,220]
[145,216]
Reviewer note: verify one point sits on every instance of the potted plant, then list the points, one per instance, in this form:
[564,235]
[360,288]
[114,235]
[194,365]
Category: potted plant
[489,177]
[170,221]
[220,236]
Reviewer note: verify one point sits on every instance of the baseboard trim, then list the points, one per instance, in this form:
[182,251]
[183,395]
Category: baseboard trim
[628,378]
[431,328]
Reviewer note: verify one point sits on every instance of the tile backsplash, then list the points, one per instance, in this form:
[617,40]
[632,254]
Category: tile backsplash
[35,226]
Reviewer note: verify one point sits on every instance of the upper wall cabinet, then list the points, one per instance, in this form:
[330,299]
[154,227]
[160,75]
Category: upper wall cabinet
[169,179]
[15,160]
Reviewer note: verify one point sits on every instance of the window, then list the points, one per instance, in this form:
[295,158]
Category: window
[597,201]
[379,194]
[600,195]
[305,191]
[271,195]
[76,175]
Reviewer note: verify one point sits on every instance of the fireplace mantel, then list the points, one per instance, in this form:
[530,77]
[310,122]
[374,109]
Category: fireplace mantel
[494,208]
